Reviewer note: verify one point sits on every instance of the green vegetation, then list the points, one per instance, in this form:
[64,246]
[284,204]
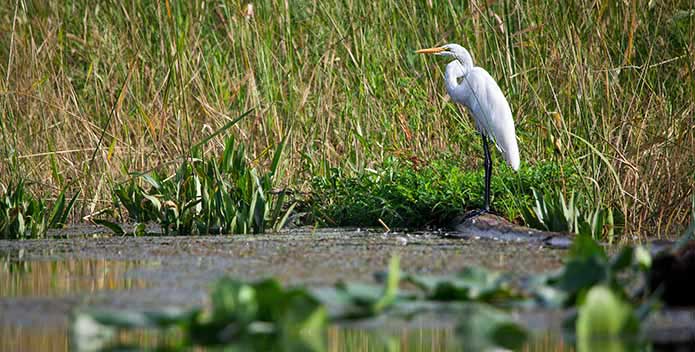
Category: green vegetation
[24,216]
[264,314]
[224,195]
[254,316]
[90,93]
[552,213]
[403,193]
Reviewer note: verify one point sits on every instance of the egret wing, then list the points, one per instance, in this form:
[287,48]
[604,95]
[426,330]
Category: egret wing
[493,117]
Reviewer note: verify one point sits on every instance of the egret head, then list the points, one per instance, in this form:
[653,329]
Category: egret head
[458,52]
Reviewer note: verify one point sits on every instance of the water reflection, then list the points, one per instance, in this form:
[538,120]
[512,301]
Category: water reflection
[422,339]
[64,277]
[338,339]
[84,276]
[29,338]
[415,340]
[54,278]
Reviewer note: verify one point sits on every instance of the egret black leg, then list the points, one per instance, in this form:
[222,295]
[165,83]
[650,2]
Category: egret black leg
[488,173]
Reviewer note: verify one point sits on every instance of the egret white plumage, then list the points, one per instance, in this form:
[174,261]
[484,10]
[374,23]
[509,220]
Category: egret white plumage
[475,89]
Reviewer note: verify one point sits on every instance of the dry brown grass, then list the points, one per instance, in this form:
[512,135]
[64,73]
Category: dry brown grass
[91,92]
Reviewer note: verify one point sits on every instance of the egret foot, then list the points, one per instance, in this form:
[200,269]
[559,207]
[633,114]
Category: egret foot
[474,214]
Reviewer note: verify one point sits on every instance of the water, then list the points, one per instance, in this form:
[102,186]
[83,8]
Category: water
[54,277]
[36,297]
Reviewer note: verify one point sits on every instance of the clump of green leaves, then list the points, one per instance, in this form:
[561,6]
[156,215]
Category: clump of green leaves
[403,194]
[350,300]
[471,284]
[588,266]
[254,316]
[209,195]
[552,212]
[265,316]
[25,216]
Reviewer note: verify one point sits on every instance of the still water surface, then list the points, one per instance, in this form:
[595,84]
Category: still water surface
[36,298]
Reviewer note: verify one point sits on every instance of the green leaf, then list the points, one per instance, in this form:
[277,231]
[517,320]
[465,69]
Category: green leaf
[114,227]
[471,284]
[643,258]
[221,129]
[391,290]
[155,202]
[580,274]
[152,180]
[603,320]
[57,211]
[623,259]
[87,334]
[584,246]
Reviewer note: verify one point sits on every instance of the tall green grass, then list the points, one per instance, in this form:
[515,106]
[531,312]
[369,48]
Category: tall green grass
[90,92]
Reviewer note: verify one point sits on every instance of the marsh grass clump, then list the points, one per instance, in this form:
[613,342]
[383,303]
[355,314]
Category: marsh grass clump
[552,212]
[23,215]
[402,193]
[208,195]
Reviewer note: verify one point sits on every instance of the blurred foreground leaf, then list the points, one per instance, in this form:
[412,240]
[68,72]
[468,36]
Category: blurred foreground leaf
[605,322]
[471,284]
[485,327]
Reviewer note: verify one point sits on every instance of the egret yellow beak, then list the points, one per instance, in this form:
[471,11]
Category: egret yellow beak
[431,50]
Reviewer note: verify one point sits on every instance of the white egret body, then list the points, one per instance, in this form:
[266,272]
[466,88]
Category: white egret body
[475,89]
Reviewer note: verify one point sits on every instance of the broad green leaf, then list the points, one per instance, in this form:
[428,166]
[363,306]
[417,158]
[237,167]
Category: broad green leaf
[605,321]
[580,274]
[114,227]
[584,246]
[473,283]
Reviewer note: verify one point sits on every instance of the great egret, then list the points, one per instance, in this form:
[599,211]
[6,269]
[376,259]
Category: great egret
[475,89]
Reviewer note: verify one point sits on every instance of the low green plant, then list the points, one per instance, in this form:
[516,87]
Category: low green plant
[259,316]
[209,195]
[24,216]
[253,316]
[471,284]
[403,193]
[588,265]
[606,322]
[350,300]
[552,212]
